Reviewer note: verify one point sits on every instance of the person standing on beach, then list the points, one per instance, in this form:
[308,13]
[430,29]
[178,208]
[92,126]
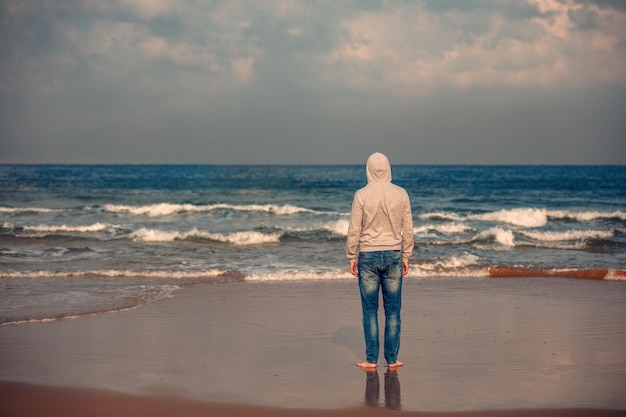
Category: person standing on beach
[379,245]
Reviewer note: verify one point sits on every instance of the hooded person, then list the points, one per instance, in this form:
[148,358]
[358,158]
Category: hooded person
[379,245]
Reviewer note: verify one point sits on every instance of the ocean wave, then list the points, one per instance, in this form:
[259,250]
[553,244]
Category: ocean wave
[553,236]
[443,228]
[586,216]
[440,215]
[300,276]
[115,273]
[339,227]
[497,235]
[525,217]
[96,227]
[467,272]
[450,262]
[167,209]
[464,266]
[29,209]
[461,266]
[236,238]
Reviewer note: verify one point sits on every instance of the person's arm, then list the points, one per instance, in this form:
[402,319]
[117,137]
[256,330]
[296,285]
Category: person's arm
[354,234]
[408,241]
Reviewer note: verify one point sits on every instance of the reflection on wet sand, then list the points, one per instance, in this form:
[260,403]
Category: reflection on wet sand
[372,389]
[392,390]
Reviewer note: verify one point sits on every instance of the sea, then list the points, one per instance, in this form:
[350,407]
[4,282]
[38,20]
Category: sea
[80,240]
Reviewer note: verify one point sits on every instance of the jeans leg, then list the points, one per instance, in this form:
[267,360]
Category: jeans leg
[392,301]
[369,283]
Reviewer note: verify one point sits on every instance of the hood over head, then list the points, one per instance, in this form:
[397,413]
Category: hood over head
[378,168]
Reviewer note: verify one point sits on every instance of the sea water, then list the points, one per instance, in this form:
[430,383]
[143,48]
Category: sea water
[77,240]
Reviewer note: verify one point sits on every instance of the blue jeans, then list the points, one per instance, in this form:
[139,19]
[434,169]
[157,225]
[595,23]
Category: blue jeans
[381,269]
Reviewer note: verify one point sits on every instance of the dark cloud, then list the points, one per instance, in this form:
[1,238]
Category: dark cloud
[511,9]
[326,82]
[614,4]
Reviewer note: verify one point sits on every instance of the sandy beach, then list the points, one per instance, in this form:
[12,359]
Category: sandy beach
[282,348]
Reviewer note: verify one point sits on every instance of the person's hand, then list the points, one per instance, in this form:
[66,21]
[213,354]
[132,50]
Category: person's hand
[354,267]
[405,268]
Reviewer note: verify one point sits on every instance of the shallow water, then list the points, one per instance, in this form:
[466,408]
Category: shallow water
[79,240]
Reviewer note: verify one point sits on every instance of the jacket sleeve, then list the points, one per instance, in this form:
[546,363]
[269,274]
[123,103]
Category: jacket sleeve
[407,231]
[354,228]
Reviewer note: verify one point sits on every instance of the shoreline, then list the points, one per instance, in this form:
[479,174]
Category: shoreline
[16,400]
[467,346]
[495,272]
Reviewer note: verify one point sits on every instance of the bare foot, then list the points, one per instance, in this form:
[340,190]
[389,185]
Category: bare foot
[366,365]
[396,365]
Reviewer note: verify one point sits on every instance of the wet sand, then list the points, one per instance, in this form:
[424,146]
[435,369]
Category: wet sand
[21,400]
[252,348]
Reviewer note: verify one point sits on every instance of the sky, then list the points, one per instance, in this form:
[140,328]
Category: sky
[313,82]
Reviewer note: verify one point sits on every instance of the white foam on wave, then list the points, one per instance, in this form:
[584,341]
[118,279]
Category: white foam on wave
[468,272]
[415,271]
[615,275]
[586,216]
[166,209]
[152,235]
[153,210]
[339,227]
[553,236]
[27,209]
[96,227]
[444,228]
[440,215]
[465,265]
[236,238]
[524,217]
[499,235]
[114,273]
[300,276]
[450,262]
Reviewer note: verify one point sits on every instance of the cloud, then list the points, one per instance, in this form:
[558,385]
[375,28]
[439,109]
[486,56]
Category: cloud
[279,74]
[409,49]
[398,48]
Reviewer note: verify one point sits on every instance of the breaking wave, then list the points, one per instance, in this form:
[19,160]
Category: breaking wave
[526,217]
[497,235]
[236,238]
[523,217]
[300,276]
[443,228]
[552,236]
[466,265]
[96,227]
[29,209]
[167,209]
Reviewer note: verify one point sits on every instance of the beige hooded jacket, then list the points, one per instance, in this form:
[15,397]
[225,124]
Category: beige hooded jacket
[381,217]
